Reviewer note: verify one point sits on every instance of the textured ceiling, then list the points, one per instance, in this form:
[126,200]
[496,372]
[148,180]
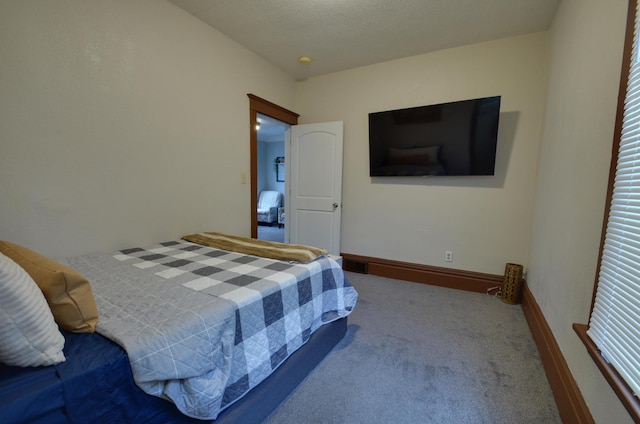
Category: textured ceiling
[343,34]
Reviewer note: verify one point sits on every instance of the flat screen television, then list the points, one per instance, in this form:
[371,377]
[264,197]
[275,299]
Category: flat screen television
[455,138]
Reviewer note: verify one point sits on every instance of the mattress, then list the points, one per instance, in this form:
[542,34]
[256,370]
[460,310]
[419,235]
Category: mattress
[202,326]
[82,386]
[95,385]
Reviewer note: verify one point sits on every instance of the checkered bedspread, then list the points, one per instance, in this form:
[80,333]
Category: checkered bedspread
[203,326]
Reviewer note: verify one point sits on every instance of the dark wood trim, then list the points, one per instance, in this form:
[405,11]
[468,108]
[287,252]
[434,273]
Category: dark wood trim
[618,384]
[418,273]
[571,405]
[264,107]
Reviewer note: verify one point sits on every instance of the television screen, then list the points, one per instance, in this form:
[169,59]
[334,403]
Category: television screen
[456,138]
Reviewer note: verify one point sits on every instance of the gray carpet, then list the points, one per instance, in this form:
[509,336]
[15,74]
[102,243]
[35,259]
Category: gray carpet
[415,353]
[271,233]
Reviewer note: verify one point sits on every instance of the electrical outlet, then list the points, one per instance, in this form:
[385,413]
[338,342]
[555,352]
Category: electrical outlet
[448,256]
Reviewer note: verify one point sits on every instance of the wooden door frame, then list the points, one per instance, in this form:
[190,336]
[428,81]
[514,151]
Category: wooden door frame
[264,107]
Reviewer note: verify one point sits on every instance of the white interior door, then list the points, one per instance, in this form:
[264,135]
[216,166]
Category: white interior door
[314,179]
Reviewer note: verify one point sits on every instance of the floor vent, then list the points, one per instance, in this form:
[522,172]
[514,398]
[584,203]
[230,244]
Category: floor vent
[355,266]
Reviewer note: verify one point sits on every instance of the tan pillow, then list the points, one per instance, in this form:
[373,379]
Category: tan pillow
[68,293]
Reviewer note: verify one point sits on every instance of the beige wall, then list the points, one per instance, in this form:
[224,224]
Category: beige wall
[122,123]
[586,50]
[126,123]
[543,209]
[484,221]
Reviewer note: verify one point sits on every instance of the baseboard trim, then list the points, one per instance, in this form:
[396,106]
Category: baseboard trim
[418,273]
[571,404]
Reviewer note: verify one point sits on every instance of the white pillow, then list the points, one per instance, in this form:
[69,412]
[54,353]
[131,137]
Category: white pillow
[29,336]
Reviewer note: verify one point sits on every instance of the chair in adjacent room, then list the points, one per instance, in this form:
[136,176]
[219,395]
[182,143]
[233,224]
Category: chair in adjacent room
[268,204]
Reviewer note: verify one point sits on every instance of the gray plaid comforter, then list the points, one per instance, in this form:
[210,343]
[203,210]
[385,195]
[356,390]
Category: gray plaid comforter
[203,326]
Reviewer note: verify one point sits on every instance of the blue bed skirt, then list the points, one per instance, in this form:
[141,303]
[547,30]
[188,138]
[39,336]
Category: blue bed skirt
[95,385]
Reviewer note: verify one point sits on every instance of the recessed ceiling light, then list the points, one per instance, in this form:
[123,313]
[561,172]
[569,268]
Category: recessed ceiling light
[304,60]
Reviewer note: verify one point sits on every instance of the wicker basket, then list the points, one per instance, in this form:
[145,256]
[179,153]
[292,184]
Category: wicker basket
[512,284]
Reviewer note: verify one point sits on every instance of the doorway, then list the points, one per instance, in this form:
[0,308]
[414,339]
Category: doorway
[259,106]
[271,178]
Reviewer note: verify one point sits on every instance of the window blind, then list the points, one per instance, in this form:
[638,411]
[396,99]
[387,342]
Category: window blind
[615,320]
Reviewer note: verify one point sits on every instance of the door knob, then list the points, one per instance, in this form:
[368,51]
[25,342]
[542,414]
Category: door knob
[335,206]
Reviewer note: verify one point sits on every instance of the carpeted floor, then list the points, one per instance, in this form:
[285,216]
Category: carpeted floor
[271,233]
[415,353]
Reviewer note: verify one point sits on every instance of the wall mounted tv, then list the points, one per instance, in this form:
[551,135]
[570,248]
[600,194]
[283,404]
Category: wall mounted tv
[456,138]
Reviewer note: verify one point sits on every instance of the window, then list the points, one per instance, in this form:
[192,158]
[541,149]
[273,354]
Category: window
[614,326]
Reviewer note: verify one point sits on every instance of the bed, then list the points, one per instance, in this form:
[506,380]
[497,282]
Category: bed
[186,333]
